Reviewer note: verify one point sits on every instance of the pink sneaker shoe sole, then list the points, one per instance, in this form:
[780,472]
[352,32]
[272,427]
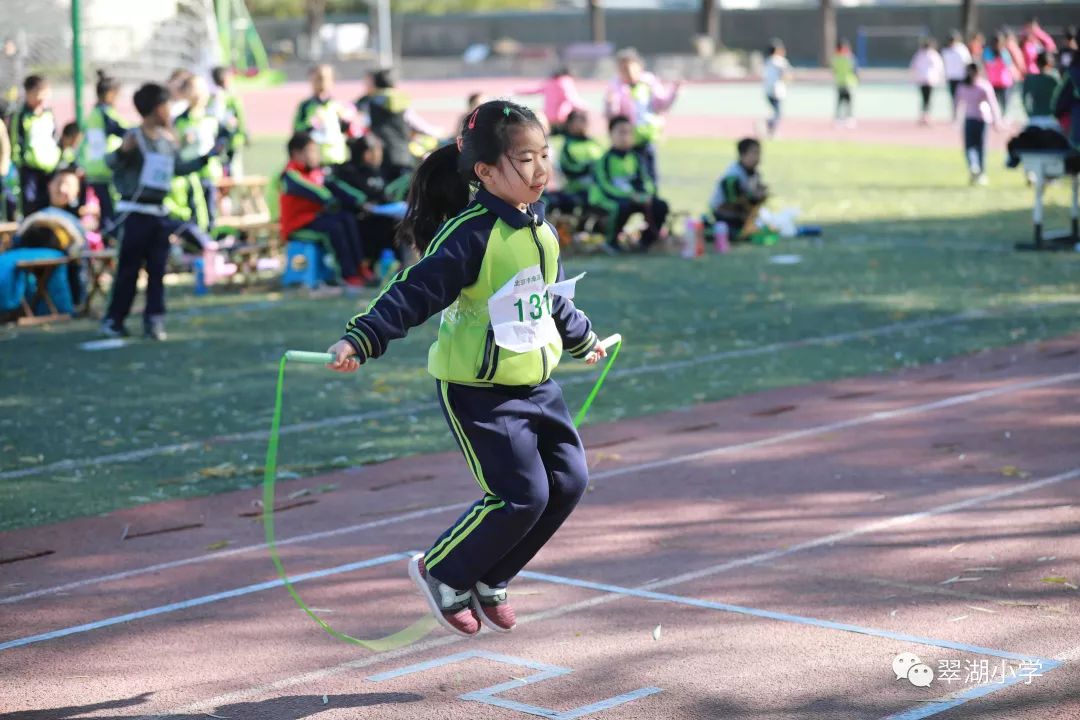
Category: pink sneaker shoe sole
[478,610]
[421,583]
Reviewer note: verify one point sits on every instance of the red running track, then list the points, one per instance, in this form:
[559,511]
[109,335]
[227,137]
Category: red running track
[789,545]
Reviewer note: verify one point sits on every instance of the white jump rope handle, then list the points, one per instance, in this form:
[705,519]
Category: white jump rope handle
[610,341]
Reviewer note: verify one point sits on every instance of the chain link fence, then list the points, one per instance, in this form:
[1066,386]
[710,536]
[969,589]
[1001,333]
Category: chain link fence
[133,41]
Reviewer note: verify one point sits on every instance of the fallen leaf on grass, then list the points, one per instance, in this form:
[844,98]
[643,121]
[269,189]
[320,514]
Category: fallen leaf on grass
[312,491]
[224,470]
[957,579]
[656,633]
[219,545]
[1059,580]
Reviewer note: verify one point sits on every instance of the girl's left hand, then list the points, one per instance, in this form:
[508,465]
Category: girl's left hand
[598,354]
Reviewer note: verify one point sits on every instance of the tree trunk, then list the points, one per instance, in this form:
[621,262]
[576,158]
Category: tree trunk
[828,32]
[314,16]
[709,21]
[596,21]
[969,17]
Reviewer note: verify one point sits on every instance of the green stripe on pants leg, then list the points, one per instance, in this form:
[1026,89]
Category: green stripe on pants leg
[455,531]
[438,557]
[466,446]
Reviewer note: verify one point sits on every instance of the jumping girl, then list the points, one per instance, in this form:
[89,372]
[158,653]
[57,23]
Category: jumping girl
[491,265]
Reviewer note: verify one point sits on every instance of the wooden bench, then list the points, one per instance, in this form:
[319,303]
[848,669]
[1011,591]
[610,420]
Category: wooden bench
[98,262]
[258,236]
[42,270]
[246,195]
[7,234]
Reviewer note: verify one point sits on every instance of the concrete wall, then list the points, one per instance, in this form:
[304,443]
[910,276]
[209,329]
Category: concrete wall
[672,31]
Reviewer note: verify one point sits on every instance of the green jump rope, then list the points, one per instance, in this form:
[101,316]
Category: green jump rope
[426,624]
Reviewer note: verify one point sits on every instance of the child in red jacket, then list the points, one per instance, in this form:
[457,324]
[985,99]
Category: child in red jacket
[311,208]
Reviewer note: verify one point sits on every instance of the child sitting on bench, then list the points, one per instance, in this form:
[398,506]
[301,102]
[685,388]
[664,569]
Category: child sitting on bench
[622,186]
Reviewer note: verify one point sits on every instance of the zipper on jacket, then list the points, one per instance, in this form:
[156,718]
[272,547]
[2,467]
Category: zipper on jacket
[543,273]
[539,247]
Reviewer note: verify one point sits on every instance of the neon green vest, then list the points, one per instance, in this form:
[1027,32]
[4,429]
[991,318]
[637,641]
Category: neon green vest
[38,149]
[198,133]
[98,144]
[465,351]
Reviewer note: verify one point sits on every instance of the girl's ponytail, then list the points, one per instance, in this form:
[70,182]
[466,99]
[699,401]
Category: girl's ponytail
[437,193]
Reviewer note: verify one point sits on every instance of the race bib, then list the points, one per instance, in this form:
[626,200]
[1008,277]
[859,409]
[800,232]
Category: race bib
[96,144]
[157,171]
[521,310]
[207,136]
[42,133]
[326,127]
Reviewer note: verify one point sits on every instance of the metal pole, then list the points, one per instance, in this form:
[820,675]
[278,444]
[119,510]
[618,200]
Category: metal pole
[76,59]
[224,29]
[386,42]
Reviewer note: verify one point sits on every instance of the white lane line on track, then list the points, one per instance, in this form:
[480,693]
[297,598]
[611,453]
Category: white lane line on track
[143,453]
[614,472]
[316,675]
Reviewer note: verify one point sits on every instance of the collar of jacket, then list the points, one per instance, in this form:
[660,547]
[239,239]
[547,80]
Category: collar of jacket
[301,168]
[508,213]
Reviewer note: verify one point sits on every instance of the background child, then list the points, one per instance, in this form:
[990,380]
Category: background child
[576,161]
[9,181]
[740,192]
[104,134]
[199,131]
[227,108]
[392,120]
[955,57]
[71,137]
[927,70]
[507,415]
[58,226]
[311,212]
[323,118]
[775,76]
[999,70]
[641,97]
[362,179]
[1038,92]
[976,99]
[622,186]
[843,66]
[34,149]
[561,98]
[144,167]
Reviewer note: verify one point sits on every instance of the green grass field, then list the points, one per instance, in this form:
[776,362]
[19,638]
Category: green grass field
[915,267]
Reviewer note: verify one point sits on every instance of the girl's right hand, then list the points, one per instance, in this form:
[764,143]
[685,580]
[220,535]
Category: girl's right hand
[344,357]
